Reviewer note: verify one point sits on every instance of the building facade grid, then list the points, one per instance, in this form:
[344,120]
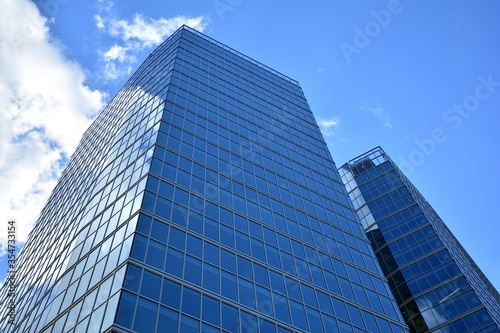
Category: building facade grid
[203,198]
[437,285]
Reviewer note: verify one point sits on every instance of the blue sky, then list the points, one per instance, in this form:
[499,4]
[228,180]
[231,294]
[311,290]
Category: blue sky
[419,78]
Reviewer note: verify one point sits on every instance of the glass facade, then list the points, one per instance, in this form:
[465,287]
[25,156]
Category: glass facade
[202,199]
[437,285]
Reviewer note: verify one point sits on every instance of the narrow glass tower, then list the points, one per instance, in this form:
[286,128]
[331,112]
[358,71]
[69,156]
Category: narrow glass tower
[202,199]
[436,283]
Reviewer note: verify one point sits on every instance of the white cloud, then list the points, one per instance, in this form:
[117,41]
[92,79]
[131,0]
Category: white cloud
[99,22]
[132,37]
[151,32]
[113,71]
[328,126]
[379,112]
[117,52]
[45,108]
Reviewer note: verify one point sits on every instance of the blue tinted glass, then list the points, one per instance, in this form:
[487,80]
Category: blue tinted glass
[156,254]
[211,310]
[317,275]
[163,208]
[177,239]
[277,283]
[145,321]
[257,248]
[244,268]
[471,322]
[192,272]
[229,318]
[298,315]
[340,309]
[228,285]
[331,325]
[383,324]
[179,215]
[332,283]
[139,247]
[283,330]
[353,273]
[211,277]
[175,262]
[194,246]
[168,320]
[314,320]
[228,261]
[211,229]
[189,325]
[355,315]
[309,296]
[281,307]
[191,302]
[195,222]
[126,307]
[209,329]
[369,319]
[227,236]
[171,294]
[148,201]
[242,243]
[360,295]
[255,230]
[132,278]
[345,286]
[293,289]
[270,236]
[260,273]
[298,249]
[159,231]
[284,243]
[346,328]
[272,256]
[211,253]
[266,326]
[152,184]
[166,190]
[483,318]
[246,292]
[144,223]
[263,300]
[248,322]
[150,286]
[181,196]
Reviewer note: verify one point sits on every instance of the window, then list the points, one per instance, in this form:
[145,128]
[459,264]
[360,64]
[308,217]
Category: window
[126,308]
[150,286]
[145,321]
[171,294]
[167,320]
[211,310]
[191,302]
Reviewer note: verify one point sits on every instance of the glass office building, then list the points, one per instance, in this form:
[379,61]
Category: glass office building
[202,199]
[437,285]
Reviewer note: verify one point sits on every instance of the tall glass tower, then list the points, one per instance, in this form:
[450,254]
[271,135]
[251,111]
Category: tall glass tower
[202,199]
[437,285]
